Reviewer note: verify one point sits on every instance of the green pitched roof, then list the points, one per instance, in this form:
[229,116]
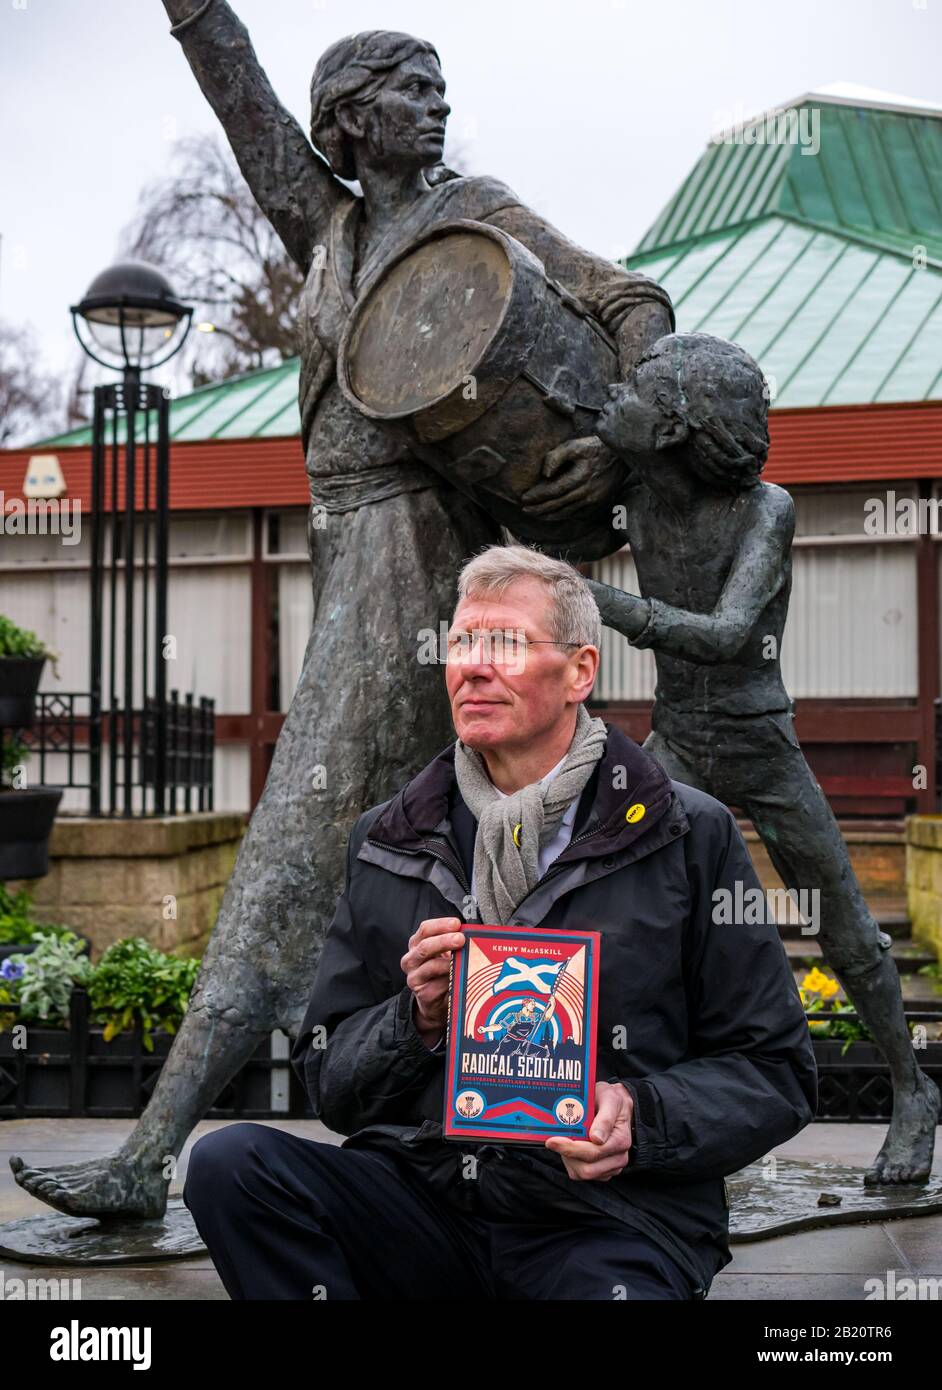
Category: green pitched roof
[259,405]
[810,260]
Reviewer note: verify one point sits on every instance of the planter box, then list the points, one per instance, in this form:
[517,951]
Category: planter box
[856,1087]
[19,681]
[114,1080]
[26,818]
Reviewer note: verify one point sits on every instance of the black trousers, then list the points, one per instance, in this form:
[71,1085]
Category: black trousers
[286,1217]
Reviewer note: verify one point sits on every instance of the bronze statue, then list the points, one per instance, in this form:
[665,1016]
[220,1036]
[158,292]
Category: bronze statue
[712,547]
[366,716]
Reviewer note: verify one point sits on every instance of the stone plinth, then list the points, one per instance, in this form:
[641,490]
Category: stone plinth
[161,877]
[924,879]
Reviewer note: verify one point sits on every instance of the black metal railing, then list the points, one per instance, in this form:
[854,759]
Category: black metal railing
[172,752]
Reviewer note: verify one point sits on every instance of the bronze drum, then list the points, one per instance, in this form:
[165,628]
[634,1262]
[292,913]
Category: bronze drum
[466,347]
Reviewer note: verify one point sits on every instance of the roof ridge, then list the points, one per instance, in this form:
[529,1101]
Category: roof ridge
[858,237]
[822,95]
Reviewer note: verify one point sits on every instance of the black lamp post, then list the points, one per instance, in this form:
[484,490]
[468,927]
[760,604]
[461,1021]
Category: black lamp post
[131,321]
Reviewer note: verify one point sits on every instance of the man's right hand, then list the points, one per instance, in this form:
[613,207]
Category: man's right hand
[427,965]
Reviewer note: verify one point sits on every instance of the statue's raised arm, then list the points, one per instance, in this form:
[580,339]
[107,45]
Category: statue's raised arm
[292,185]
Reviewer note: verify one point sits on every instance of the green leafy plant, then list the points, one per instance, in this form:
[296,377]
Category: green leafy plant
[18,926]
[134,980]
[48,977]
[19,641]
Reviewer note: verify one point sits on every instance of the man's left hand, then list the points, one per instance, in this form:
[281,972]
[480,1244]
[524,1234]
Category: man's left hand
[605,1153]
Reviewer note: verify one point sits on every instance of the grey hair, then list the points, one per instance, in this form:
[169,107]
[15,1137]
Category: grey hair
[574,613]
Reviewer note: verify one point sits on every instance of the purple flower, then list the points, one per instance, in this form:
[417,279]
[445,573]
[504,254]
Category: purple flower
[9,970]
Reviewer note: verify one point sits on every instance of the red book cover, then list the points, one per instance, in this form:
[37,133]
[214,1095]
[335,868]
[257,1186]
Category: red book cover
[521,1037]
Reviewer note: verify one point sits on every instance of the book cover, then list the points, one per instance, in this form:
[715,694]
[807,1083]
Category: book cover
[521,1036]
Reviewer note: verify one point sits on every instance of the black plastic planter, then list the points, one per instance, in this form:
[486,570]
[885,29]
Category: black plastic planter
[19,681]
[52,1076]
[12,949]
[855,1087]
[26,818]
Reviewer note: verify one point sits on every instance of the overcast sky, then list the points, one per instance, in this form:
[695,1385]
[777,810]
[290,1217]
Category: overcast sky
[592,110]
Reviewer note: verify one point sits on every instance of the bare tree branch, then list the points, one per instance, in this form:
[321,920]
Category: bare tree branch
[29,395]
[204,229]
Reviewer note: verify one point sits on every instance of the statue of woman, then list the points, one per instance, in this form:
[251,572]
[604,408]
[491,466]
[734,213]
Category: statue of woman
[387,536]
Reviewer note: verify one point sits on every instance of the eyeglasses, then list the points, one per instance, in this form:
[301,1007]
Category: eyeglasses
[499,646]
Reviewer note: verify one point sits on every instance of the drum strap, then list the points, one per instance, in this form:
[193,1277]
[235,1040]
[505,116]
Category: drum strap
[344,492]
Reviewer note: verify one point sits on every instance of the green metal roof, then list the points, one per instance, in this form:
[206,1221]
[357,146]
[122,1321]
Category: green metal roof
[877,175]
[259,405]
[810,261]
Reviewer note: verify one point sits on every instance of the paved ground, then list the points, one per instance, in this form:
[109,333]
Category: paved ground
[817,1265]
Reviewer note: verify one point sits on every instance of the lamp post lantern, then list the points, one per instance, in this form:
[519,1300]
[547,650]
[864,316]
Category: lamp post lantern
[131,313]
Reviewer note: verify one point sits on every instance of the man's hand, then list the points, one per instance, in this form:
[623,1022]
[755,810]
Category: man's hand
[426,966]
[579,474]
[605,1153]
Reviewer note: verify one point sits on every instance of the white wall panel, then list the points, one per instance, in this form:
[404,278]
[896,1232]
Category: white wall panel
[851,629]
[209,612]
[625,673]
[295,615]
[54,606]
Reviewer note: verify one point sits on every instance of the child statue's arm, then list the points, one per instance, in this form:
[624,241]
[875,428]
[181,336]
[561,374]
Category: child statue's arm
[755,577]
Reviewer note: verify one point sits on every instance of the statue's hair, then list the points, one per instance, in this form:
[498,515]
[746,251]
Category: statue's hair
[720,393]
[353,70]
[574,613]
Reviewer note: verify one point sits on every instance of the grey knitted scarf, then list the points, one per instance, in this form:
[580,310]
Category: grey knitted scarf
[513,829]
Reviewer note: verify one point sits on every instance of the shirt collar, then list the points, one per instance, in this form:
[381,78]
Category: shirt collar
[569,814]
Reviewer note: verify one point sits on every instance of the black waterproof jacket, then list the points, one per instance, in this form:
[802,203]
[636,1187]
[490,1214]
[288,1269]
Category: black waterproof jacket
[699,1019]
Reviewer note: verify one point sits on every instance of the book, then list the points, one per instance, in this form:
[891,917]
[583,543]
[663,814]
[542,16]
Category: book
[521,1035]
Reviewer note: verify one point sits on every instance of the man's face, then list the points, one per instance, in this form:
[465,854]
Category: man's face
[632,422]
[500,698]
[404,125]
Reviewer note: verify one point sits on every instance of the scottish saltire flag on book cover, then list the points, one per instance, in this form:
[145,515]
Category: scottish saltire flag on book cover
[521,1035]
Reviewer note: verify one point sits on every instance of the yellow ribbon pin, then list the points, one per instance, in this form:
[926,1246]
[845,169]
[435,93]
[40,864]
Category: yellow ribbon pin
[517,829]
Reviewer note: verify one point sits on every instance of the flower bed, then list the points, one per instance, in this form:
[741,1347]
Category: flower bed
[84,1039]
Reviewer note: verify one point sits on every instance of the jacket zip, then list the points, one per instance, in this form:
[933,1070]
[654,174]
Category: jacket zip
[449,863]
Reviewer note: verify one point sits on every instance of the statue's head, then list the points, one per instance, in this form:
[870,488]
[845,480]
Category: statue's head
[702,398]
[378,98]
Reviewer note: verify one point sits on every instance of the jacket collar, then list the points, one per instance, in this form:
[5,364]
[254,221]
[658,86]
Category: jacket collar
[628,778]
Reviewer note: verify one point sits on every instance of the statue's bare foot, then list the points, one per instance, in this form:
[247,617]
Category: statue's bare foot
[906,1155]
[113,1186]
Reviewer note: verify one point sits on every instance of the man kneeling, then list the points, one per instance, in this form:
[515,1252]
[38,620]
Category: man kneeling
[702,1038]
